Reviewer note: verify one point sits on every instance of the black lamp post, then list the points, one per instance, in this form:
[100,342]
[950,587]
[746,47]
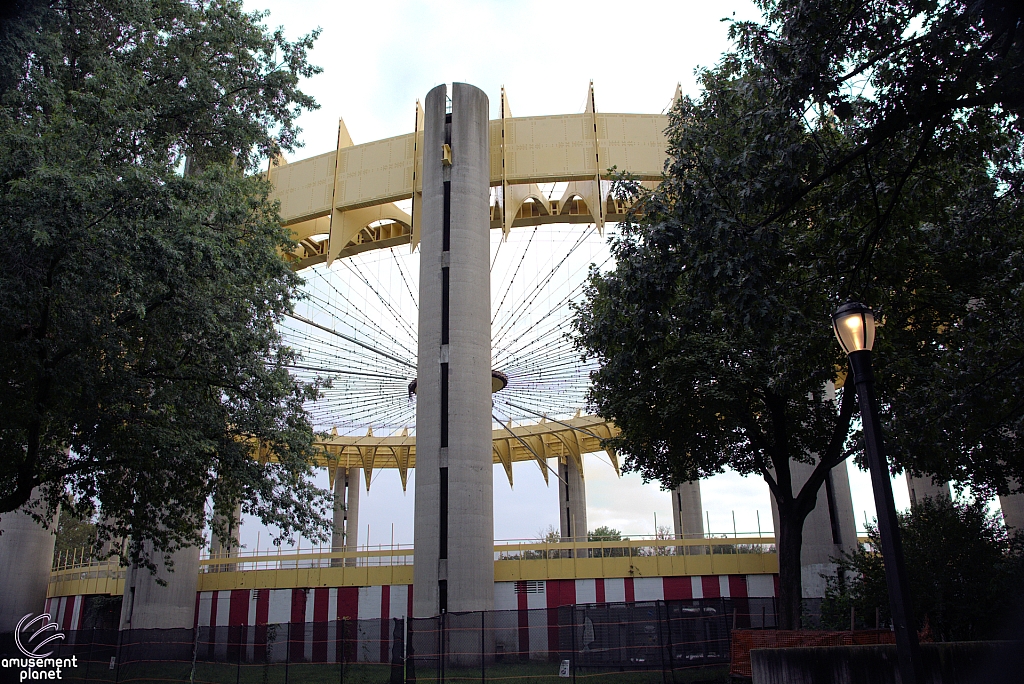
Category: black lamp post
[854,325]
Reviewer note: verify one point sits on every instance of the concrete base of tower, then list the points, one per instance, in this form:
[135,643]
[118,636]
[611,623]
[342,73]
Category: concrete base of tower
[26,555]
[148,605]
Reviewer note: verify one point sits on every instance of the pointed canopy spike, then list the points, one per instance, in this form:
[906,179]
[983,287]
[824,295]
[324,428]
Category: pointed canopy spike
[506,111]
[344,139]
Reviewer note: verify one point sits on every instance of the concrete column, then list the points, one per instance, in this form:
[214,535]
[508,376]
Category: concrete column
[572,502]
[454,566]
[26,556]
[829,530]
[227,546]
[111,545]
[1012,506]
[148,605]
[923,487]
[345,535]
[688,515]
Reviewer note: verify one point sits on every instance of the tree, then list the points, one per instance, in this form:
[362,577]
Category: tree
[605,533]
[963,569]
[73,534]
[712,331]
[892,70]
[142,370]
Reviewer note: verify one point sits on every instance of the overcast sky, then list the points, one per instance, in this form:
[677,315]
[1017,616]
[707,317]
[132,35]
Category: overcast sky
[379,57]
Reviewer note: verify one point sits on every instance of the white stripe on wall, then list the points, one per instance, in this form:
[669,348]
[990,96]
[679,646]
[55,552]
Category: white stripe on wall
[586,591]
[648,589]
[760,586]
[505,596]
[369,602]
[697,587]
[399,600]
[279,606]
[615,590]
[76,613]
[205,603]
[223,608]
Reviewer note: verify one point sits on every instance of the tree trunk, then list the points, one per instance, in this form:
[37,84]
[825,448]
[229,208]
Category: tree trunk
[788,543]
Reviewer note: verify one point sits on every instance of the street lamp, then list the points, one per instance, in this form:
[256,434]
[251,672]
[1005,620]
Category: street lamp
[854,325]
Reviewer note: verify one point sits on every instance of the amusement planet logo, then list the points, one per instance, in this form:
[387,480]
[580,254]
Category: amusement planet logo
[37,665]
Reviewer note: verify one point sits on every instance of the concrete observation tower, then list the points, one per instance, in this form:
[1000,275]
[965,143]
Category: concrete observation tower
[454,532]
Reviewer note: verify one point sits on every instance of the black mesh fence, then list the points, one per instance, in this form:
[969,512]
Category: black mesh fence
[655,641]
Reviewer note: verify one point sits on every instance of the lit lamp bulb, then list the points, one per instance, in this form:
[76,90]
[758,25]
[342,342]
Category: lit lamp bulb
[854,325]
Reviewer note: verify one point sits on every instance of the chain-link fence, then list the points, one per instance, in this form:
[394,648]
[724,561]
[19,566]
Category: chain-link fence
[656,641]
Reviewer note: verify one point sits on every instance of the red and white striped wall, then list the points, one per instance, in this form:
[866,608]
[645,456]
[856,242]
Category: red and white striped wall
[66,611]
[255,607]
[311,616]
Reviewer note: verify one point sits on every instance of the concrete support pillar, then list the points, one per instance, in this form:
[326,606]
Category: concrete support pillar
[688,514]
[26,555]
[111,545]
[148,605]
[228,545]
[454,566]
[923,487]
[1012,506]
[829,530]
[345,535]
[572,502]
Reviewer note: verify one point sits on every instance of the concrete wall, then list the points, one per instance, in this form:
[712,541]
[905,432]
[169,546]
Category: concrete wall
[1013,511]
[975,662]
[148,605]
[345,532]
[454,535]
[572,501]
[26,555]
[923,487]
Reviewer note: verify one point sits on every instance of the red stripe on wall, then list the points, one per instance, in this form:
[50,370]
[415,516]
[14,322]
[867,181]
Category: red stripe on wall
[677,588]
[238,615]
[741,606]
[559,593]
[630,594]
[385,621]
[299,605]
[297,632]
[599,590]
[711,586]
[776,578]
[321,604]
[348,603]
[408,610]
[348,610]
[524,620]
[262,606]
[69,610]
[213,609]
